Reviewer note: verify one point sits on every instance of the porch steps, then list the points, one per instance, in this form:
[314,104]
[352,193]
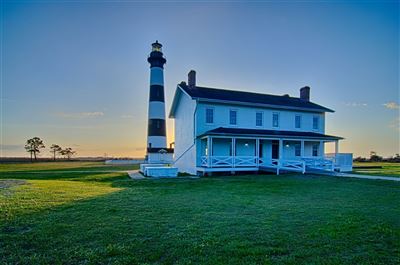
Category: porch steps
[268,169]
[281,170]
[320,171]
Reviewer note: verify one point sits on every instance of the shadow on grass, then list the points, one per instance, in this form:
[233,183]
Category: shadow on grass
[104,168]
[79,174]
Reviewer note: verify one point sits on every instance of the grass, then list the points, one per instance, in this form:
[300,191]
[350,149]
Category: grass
[388,169]
[106,218]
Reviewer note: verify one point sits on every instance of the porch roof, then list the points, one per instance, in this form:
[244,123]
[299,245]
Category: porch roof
[270,133]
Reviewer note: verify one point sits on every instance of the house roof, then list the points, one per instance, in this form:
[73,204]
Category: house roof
[223,95]
[270,133]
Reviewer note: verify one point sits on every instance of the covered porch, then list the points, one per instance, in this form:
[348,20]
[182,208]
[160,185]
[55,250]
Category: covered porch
[253,153]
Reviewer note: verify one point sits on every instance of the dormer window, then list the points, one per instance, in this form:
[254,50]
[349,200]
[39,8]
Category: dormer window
[275,119]
[315,123]
[297,121]
[209,115]
[259,119]
[233,117]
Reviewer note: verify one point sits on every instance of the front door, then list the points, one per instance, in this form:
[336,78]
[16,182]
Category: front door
[275,149]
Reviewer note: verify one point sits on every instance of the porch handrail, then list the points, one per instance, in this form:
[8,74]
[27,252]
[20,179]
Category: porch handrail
[297,165]
[229,161]
[253,161]
[245,161]
[221,161]
[321,163]
[293,164]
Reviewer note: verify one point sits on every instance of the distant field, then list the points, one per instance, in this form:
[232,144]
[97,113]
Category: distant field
[62,166]
[54,213]
[388,169]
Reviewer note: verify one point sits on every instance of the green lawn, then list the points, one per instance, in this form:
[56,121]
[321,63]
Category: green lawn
[106,218]
[388,169]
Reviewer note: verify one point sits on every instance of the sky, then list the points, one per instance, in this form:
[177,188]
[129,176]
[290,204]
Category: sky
[75,72]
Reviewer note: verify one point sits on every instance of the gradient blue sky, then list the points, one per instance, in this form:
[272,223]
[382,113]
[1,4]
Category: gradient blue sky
[75,73]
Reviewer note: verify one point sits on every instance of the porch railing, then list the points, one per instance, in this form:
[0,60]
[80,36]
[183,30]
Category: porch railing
[221,161]
[320,163]
[343,161]
[252,161]
[228,161]
[296,165]
[300,165]
[292,165]
[245,161]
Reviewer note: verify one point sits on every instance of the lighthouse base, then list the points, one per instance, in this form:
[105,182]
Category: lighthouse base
[160,158]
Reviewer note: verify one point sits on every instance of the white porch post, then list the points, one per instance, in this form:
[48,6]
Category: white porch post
[257,151]
[302,148]
[336,147]
[336,150]
[233,140]
[211,150]
[280,155]
[233,151]
[321,149]
[208,151]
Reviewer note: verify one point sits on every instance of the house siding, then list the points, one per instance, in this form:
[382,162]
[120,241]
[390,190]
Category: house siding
[246,118]
[185,151]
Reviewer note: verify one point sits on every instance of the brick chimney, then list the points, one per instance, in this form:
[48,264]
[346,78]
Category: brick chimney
[192,79]
[305,93]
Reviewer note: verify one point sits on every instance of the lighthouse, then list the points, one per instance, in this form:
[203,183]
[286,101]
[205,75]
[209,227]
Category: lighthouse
[157,150]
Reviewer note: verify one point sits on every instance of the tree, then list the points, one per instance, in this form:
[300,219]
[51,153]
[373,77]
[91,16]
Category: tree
[33,146]
[360,159]
[374,157]
[68,152]
[55,148]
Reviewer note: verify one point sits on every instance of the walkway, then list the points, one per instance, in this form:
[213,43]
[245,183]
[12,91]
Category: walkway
[134,174]
[348,175]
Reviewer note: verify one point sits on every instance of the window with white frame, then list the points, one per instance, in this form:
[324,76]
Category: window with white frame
[315,149]
[259,119]
[297,121]
[209,115]
[297,150]
[275,119]
[315,122]
[233,117]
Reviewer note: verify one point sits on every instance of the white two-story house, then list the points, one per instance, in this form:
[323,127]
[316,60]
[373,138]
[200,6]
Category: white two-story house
[227,131]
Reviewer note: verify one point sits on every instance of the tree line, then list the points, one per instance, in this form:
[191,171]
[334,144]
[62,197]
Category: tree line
[374,157]
[34,145]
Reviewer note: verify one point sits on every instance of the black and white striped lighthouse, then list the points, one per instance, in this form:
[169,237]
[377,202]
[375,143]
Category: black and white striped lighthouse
[156,132]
